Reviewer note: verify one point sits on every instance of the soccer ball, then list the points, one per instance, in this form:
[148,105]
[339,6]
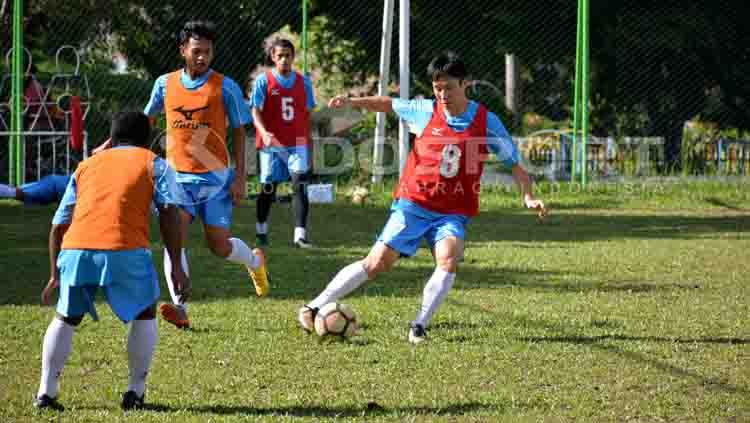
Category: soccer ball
[359,195]
[334,319]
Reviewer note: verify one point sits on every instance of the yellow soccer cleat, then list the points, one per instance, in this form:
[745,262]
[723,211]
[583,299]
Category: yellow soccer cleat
[260,275]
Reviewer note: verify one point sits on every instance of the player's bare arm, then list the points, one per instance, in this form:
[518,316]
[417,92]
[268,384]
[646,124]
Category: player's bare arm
[372,104]
[521,177]
[55,241]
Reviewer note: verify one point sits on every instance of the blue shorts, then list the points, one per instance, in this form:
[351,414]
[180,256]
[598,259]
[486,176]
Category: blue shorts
[277,164]
[404,230]
[128,279]
[212,202]
[46,190]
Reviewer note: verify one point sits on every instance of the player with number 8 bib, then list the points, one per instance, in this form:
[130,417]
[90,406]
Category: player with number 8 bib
[282,100]
[439,188]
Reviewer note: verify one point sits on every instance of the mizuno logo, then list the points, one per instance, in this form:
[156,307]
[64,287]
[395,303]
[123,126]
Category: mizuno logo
[188,113]
[275,92]
[437,131]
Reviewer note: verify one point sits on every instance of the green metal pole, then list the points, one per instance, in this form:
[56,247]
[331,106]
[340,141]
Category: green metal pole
[577,95]
[16,150]
[585,92]
[304,35]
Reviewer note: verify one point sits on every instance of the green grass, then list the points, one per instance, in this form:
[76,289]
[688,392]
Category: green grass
[630,303]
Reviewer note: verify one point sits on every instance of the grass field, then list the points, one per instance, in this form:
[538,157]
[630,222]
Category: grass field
[630,303]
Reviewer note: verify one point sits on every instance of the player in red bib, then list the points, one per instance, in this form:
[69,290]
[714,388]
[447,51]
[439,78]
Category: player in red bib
[438,191]
[281,101]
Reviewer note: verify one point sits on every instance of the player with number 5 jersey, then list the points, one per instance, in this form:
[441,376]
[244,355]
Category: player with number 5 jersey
[281,102]
[438,191]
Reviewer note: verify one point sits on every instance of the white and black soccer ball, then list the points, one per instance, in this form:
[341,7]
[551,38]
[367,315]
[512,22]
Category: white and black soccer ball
[335,319]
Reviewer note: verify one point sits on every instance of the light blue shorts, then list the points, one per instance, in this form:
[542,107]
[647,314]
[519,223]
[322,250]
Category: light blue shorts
[128,279]
[404,231]
[277,164]
[209,201]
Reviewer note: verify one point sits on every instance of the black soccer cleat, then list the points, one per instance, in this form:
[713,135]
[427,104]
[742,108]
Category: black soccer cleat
[303,244]
[417,333]
[261,240]
[306,317]
[131,401]
[46,402]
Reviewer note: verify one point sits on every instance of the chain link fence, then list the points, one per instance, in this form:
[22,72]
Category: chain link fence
[668,78]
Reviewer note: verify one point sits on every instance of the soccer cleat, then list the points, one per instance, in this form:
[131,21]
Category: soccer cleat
[306,317]
[261,240]
[303,243]
[175,315]
[131,401]
[259,275]
[47,402]
[417,333]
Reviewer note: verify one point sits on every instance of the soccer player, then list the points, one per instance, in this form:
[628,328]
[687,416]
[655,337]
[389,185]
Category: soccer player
[198,101]
[47,190]
[281,103]
[100,239]
[438,191]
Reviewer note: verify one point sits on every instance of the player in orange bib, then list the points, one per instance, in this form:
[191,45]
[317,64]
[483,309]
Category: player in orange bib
[198,103]
[100,241]
[438,192]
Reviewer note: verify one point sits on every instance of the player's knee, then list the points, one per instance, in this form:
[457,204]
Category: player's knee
[219,245]
[71,320]
[447,263]
[299,182]
[376,264]
[147,314]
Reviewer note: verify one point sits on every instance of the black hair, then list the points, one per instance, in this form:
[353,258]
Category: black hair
[279,42]
[447,64]
[132,128]
[197,30]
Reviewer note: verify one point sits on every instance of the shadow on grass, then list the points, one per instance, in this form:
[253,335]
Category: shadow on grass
[602,343]
[345,233]
[371,409]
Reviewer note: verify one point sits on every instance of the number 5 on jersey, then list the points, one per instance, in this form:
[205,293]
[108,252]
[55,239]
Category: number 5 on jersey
[287,108]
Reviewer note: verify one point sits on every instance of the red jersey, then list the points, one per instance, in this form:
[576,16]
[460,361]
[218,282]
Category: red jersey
[443,170]
[285,113]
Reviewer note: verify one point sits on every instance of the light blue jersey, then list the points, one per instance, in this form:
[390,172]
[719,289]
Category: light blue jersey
[417,113]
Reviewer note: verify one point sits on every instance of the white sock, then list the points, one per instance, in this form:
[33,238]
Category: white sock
[58,341]
[142,339]
[242,254]
[346,281]
[261,228]
[299,233]
[434,293]
[7,191]
[176,299]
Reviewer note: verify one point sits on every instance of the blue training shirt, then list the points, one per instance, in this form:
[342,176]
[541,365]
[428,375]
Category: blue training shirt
[260,87]
[417,113]
[164,180]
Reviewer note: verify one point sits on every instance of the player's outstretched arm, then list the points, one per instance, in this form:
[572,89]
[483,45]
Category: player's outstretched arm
[55,241]
[524,184]
[372,104]
[169,227]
